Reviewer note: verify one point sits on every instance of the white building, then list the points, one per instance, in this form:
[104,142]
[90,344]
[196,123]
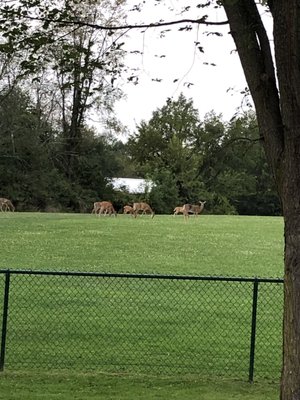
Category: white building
[133,185]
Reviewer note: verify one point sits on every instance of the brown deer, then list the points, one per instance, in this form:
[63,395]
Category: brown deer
[193,209]
[144,207]
[6,205]
[127,210]
[103,207]
[178,210]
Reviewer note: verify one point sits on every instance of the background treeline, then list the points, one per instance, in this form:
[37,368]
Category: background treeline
[188,159]
[55,78]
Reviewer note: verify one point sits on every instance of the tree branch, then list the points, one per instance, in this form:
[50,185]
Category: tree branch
[201,20]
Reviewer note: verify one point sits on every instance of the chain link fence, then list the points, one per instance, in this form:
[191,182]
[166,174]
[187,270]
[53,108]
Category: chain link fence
[231,327]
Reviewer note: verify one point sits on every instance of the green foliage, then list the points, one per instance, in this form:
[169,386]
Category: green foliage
[218,204]
[23,156]
[164,194]
[164,144]
[50,160]
[246,179]
[32,162]
[223,164]
[210,160]
[160,142]
[73,69]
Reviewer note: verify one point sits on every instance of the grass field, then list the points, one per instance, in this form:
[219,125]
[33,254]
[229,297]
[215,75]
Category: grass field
[70,386]
[208,245]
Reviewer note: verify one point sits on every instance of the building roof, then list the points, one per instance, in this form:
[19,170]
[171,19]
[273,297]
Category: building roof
[133,185]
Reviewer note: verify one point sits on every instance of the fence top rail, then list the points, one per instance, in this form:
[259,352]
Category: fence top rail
[142,276]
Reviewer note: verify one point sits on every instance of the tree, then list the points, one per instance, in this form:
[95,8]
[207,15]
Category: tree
[220,162]
[85,61]
[278,115]
[163,146]
[77,67]
[164,194]
[240,169]
[32,164]
[27,170]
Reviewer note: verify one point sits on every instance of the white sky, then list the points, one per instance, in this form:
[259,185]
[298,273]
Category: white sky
[182,61]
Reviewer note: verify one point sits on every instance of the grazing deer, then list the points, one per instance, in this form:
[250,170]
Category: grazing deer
[127,210]
[193,209]
[103,207]
[6,205]
[107,208]
[144,207]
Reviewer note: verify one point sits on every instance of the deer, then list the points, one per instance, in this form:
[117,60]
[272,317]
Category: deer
[178,210]
[103,207]
[193,209]
[127,210]
[6,205]
[106,207]
[144,207]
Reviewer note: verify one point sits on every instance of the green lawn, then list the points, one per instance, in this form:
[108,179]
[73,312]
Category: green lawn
[207,245]
[47,309]
[69,386]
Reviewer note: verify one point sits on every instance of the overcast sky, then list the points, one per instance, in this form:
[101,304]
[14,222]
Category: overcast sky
[176,57]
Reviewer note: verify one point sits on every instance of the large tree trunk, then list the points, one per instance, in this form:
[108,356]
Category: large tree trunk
[290,382]
[287,44]
[279,124]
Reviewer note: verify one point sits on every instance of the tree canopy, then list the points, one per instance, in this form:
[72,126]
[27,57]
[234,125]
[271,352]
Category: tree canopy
[220,162]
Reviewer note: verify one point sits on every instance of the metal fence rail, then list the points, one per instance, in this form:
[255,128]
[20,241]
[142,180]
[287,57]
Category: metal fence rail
[142,323]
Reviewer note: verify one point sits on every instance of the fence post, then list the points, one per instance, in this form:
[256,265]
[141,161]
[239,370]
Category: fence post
[4,319]
[253,330]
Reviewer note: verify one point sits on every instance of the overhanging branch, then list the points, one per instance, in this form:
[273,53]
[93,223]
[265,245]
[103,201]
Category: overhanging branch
[198,21]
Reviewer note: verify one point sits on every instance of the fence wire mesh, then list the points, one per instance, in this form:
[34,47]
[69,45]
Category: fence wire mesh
[142,324]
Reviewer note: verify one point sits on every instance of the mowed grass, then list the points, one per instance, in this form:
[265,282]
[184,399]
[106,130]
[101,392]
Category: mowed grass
[48,309]
[207,245]
[70,386]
